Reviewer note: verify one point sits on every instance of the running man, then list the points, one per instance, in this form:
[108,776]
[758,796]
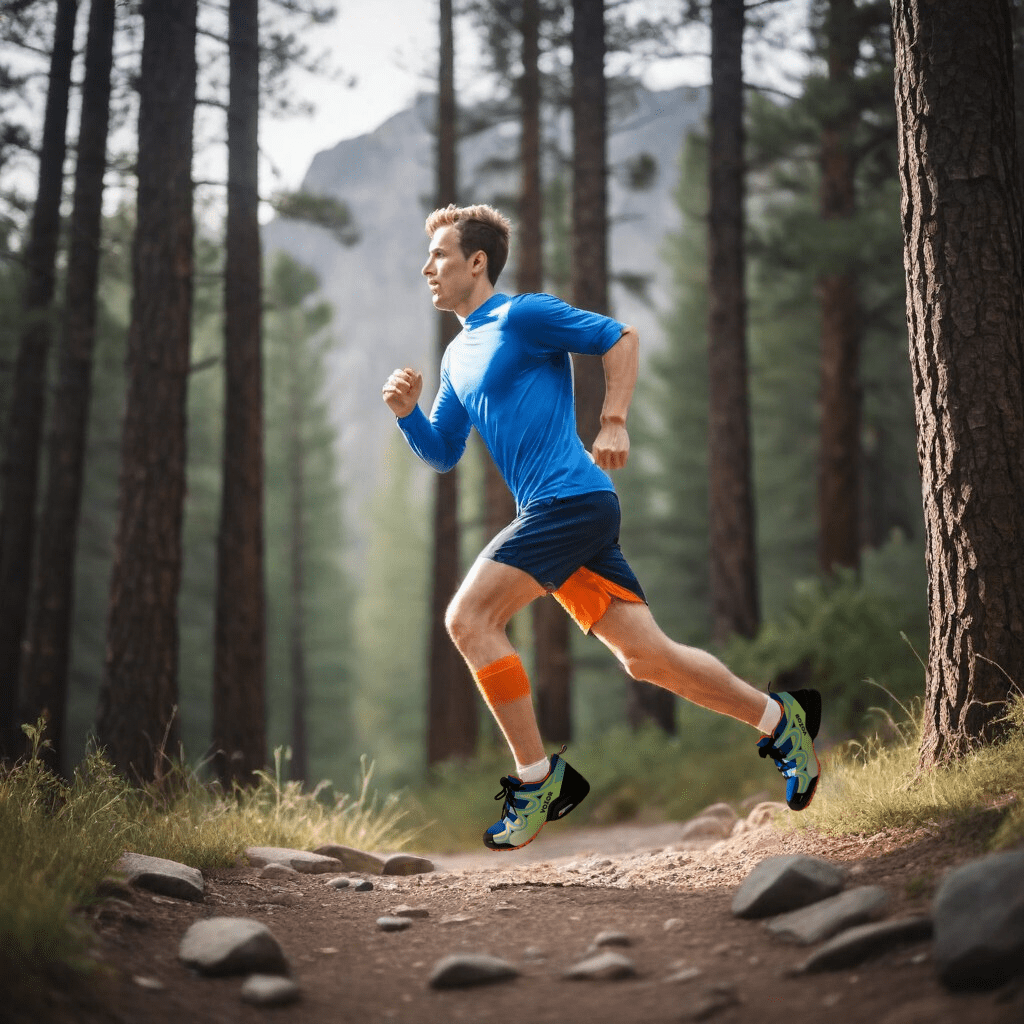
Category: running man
[508,373]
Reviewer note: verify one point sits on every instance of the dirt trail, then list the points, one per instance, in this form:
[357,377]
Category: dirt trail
[541,908]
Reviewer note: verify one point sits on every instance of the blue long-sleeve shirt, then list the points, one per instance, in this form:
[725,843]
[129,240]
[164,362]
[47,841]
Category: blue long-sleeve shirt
[509,374]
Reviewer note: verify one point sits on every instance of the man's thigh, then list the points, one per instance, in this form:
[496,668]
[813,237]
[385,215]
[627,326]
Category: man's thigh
[495,591]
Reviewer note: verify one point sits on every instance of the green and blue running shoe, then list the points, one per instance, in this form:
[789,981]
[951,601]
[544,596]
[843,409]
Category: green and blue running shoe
[791,746]
[528,806]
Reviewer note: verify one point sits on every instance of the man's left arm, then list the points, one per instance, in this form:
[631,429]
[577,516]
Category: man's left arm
[611,446]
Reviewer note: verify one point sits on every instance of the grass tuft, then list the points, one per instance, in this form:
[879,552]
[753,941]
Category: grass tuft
[59,838]
[876,785]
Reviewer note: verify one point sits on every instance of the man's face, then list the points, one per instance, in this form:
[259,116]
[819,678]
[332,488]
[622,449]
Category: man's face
[448,273]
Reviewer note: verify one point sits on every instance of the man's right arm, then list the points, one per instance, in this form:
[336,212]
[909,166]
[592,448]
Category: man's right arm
[439,441]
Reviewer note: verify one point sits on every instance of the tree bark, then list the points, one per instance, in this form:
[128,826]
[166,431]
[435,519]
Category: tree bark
[735,606]
[137,716]
[839,459]
[239,672]
[452,722]
[47,652]
[962,220]
[19,473]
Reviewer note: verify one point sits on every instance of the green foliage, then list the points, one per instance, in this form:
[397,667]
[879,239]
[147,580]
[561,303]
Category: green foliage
[391,621]
[323,211]
[298,345]
[58,838]
[875,785]
[852,638]
[664,486]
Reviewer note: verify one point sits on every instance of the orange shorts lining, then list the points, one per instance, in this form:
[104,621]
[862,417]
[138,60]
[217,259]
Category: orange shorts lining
[587,596]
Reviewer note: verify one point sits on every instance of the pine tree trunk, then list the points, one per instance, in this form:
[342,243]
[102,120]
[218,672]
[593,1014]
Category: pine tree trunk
[962,218]
[839,460]
[239,672]
[452,722]
[733,571]
[19,473]
[137,715]
[47,653]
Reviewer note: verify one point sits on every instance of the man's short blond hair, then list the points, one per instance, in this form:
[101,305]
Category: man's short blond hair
[481,228]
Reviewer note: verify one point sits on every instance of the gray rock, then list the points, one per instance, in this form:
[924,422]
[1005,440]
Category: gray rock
[278,871]
[393,924]
[828,917]
[339,883]
[269,990]
[166,877]
[683,975]
[780,884]
[978,912]
[300,860]
[602,967]
[413,912]
[719,997]
[231,945]
[703,827]
[855,945]
[764,813]
[364,886]
[353,860]
[407,864]
[722,811]
[461,970]
[612,939]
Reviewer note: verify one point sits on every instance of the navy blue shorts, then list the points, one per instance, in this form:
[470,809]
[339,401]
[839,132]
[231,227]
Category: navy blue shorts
[551,540]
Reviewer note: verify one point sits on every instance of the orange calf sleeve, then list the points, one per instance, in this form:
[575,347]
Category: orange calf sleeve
[503,681]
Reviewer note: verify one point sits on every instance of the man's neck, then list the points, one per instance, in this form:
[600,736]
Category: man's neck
[479,296]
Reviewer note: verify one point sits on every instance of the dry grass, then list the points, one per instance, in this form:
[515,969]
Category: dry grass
[868,787]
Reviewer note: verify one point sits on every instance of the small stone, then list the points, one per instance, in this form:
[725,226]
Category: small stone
[269,990]
[716,999]
[166,877]
[461,970]
[456,918]
[364,886]
[683,975]
[854,946]
[534,953]
[407,864]
[784,883]
[828,917]
[764,814]
[301,860]
[352,860]
[413,912]
[231,945]
[393,924]
[602,967]
[338,883]
[612,939]
[151,984]
[278,871]
[673,924]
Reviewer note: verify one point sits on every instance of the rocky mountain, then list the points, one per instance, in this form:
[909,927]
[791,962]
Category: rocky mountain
[383,315]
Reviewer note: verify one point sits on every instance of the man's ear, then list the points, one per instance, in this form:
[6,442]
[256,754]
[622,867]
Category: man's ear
[479,265]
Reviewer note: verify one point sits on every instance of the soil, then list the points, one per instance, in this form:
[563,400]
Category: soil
[541,908]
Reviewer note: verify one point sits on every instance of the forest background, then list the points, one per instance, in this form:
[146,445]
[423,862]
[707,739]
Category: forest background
[348,603]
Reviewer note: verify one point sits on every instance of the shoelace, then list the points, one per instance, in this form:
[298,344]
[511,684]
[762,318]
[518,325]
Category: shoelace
[784,764]
[509,788]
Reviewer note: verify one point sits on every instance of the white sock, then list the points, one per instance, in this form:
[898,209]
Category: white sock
[537,771]
[771,717]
